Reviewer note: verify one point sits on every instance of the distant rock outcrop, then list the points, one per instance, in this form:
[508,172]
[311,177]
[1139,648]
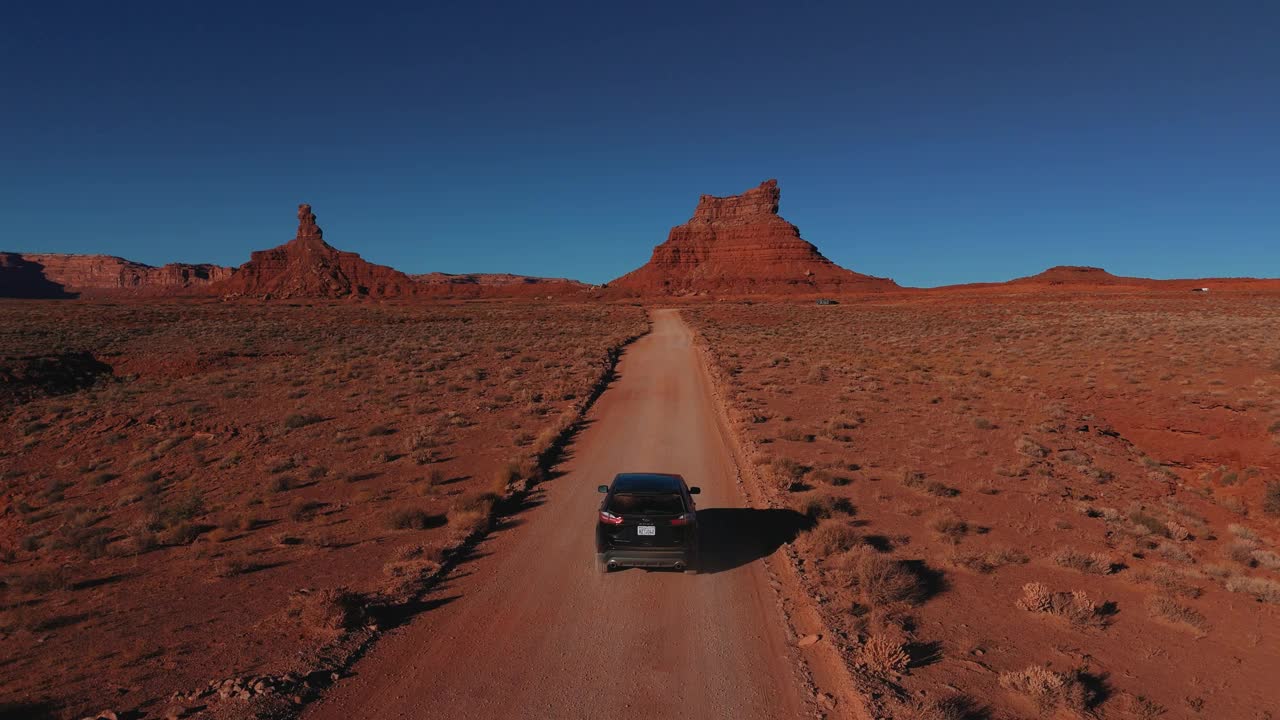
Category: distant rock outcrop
[1078,275]
[308,267]
[483,285]
[739,245]
[56,275]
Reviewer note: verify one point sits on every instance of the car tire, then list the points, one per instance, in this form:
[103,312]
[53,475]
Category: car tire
[692,567]
[601,565]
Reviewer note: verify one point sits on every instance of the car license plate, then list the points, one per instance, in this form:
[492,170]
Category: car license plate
[646,530]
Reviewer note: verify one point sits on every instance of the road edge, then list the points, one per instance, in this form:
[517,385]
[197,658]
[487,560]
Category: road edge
[835,687]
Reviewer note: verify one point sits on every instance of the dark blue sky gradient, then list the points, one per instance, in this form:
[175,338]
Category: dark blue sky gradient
[929,142]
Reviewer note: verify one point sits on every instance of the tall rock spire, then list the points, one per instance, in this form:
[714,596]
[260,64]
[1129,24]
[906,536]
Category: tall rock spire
[307,227]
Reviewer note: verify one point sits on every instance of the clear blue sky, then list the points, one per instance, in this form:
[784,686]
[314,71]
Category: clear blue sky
[929,142]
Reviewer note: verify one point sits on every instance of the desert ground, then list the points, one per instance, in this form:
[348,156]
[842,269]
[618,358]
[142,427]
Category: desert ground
[926,505]
[1027,505]
[198,492]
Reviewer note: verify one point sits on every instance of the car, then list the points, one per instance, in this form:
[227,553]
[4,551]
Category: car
[647,520]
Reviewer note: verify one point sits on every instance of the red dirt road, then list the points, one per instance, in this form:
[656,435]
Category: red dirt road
[530,629]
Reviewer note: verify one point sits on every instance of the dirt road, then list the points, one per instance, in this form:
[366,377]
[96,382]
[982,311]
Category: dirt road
[530,629]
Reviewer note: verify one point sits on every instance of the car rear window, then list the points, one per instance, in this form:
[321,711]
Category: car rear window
[646,504]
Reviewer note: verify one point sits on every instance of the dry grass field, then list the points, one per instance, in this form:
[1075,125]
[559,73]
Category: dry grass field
[1031,506]
[197,492]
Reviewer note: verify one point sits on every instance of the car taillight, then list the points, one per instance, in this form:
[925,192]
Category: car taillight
[609,518]
[682,519]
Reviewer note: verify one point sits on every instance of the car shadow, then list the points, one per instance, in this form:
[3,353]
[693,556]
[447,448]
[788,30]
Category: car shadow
[733,537]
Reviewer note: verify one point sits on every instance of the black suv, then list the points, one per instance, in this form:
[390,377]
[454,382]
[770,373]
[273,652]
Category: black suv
[647,520]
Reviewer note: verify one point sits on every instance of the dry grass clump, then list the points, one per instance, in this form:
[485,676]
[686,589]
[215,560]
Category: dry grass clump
[1271,498]
[878,578]
[1165,608]
[1030,448]
[917,480]
[1267,591]
[1092,563]
[1168,581]
[1049,690]
[833,536]
[882,655]
[820,506]
[472,513]
[987,561]
[1075,607]
[788,474]
[407,518]
[410,563]
[948,708]
[949,527]
[328,610]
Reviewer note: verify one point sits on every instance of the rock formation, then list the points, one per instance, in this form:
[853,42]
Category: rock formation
[485,285]
[1077,275]
[307,266]
[54,275]
[739,245]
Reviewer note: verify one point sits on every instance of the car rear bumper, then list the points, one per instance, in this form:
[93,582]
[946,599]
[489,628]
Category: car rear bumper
[649,557]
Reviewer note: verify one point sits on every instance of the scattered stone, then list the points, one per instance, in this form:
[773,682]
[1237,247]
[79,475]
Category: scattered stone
[808,640]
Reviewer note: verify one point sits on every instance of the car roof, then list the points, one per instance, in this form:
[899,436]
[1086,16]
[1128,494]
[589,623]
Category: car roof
[647,482]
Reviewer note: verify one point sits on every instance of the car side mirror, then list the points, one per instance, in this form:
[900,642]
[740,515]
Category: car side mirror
[603,488]
[695,490]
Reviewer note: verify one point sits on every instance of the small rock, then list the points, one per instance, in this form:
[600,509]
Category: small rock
[808,640]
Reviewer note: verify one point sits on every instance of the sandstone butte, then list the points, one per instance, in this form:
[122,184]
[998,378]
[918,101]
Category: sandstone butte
[739,245]
[309,267]
[44,275]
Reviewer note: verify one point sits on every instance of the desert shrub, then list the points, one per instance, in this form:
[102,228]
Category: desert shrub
[298,420]
[1264,590]
[983,424]
[1271,498]
[1168,581]
[819,506]
[882,655]
[1165,608]
[833,536]
[956,707]
[1148,523]
[281,483]
[329,610]
[230,567]
[43,581]
[788,473]
[410,519]
[916,481]
[1174,552]
[183,533]
[1026,446]
[986,561]
[1092,563]
[1074,607]
[949,527]
[512,472]
[879,579]
[883,580]
[1266,559]
[380,430]
[1049,690]
[302,509]
[471,513]
[1241,551]
[1242,532]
